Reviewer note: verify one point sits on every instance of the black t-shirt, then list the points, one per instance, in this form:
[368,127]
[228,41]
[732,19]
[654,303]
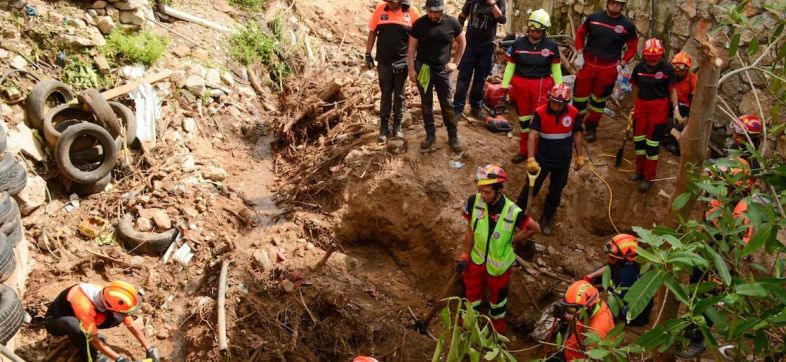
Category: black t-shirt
[494,214]
[482,27]
[606,35]
[533,60]
[654,82]
[392,29]
[558,150]
[435,39]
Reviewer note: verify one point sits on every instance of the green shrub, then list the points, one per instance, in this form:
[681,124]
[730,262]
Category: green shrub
[252,44]
[249,4]
[80,73]
[144,47]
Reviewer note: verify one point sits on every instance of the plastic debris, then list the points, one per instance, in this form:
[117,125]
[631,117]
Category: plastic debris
[73,203]
[183,254]
[456,164]
[30,11]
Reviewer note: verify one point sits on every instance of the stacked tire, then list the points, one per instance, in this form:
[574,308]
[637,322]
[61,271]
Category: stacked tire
[85,137]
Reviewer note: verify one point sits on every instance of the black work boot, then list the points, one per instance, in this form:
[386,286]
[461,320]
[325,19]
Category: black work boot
[645,186]
[453,141]
[397,129]
[383,131]
[635,177]
[428,142]
[545,226]
[475,112]
[518,158]
[591,132]
[673,148]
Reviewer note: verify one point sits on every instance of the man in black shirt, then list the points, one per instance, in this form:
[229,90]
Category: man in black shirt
[389,27]
[483,15]
[429,65]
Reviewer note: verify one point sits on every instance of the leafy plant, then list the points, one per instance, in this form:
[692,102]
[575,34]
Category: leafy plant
[467,339]
[144,47]
[250,4]
[254,44]
[81,74]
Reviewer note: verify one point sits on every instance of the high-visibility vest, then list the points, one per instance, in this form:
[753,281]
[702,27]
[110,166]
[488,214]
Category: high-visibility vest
[495,250]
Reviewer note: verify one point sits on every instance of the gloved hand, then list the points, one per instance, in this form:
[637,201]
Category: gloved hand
[504,98]
[152,353]
[370,61]
[579,163]
[462,262]
[532,166]
[579,62]
[122,359]
[678,117]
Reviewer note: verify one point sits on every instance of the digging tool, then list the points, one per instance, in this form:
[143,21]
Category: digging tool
[422,325]
[628,130]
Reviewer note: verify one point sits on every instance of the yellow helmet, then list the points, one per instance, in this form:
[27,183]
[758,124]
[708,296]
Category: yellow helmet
[539,20]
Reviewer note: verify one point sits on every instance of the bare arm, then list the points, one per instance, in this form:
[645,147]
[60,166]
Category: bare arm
[461,43]
[533,135]
[635,91]
[596,274]
[495,9]
[577,141]
[102,347]
[675,103]
[532,228]
[139,335]
[413,47]
[372,38]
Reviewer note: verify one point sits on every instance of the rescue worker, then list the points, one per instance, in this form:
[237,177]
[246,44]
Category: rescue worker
[533,68]
[554,127]
[389,27]
[686,85]
[483,16]
[621,252]
[582,303]
[607,33]
[428,59]
[749,125]
[81,310]
[653,88]
[494,224]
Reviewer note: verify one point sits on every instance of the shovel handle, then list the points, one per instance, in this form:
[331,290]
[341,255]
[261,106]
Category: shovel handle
[532,177]
[426,321]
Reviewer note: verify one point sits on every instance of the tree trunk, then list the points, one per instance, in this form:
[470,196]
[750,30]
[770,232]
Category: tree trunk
[694,144]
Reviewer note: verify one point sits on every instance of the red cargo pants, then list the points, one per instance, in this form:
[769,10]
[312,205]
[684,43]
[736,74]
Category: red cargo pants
[650,119]
[529,93]
[594,84]
[476,280]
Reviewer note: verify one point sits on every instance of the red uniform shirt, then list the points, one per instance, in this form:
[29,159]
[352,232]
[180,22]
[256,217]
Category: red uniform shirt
[685,88]
[555,132]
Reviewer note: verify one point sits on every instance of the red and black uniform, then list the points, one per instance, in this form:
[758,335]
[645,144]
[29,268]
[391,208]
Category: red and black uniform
[685,88]
[605,38]
[652,113]
[532,80]
[554,154]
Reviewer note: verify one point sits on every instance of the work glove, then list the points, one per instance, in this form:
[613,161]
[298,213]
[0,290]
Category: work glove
[678,117]
[579,163]
[152,353]
[462,262]
[532,166]
[370,61]
[579,62]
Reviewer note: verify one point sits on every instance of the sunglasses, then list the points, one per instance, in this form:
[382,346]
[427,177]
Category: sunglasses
[680,67]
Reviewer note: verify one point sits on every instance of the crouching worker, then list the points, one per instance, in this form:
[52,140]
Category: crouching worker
[580,312]
[81,310]
[621,253]
[494,224]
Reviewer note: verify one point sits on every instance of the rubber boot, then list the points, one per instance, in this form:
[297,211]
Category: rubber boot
[591,132]
[383,131]
[545,226]
[645,186]
[428,142]
[475,112]
[518,158]
[397,129]
[635,177]
[453,141]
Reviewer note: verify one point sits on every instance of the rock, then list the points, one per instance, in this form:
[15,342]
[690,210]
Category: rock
[102,64]
[276,240]
[733,88]
[92,13]
[539,248]
[4,54]
[21,139]
[137,260]
[100,4]
[112,12]
[228,79]
[144,224]
[681,25]
[96,37]
[189,124]
[689,7]
[182,51]
[129,4]
[17,62]
[188,164]
[162,334]
[287,286]
[200,54]
[748,103]
[191,212]
[262,260]
[213,78]
[195,84]
[133,17]
[161,219]
[309,246]
[280,257]
[18,4]
[213,173]
[105,24]
[551,250]
[74,41]
[540,262]
[300,253]
[201,207]
[32,196]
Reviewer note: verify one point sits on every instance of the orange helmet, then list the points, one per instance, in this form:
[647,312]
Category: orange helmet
[364,359]
[714,205]
[653,50]
[121,297]
[622,246]
[490,174]
[582,293]
[682,58]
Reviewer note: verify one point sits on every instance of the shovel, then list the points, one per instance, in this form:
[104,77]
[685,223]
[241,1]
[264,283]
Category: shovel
[618,158]
[421,325]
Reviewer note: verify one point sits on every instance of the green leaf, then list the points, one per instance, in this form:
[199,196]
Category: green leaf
[661,335]
[440,345]
[714,191]
[640,293]
[597,353]
[444,315]
[753,46]
[490,355]
[680,201]
[614,303]
[508,356]
[751,290]
[474,355]
[646,255]
[676,288]
[606,277]
[720,265]
[687,258]
[757,241]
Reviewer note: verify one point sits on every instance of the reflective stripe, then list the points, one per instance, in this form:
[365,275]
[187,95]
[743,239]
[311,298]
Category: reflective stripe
[596,109]
[639,138]
[556,136]
[525,118]
[475,304]
[501,304]
[497,316]
[584,111]
[525,130]
[652,158]
[640,152]
[653,143]
[601,99]
[580,99]
[508,220]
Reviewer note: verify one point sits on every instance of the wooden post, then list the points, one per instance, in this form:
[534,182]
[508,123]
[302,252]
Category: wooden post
[694,144]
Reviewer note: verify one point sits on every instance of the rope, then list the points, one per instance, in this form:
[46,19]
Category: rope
[611,194]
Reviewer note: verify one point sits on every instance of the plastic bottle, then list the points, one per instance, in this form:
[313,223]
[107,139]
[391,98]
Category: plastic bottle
[625,85]
[618,93]
[609,112]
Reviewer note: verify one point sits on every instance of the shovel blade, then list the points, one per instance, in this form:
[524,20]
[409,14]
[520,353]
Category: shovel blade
[618,158]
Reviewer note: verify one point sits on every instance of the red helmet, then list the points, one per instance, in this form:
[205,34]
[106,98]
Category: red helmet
[491,174]
[560,93]
[364,359]
[653,50]
[747,122]
[622,246]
